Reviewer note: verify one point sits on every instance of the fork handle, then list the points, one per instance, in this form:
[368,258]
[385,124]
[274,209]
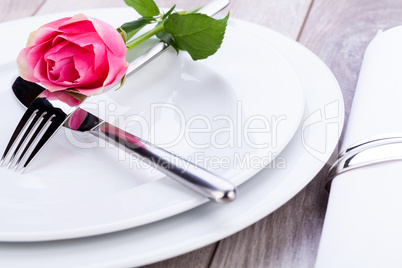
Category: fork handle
[194,177]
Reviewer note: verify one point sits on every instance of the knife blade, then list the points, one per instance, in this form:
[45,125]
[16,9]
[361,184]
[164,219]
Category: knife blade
[196,178]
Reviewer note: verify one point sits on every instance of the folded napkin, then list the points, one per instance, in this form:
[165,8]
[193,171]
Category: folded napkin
[363,224]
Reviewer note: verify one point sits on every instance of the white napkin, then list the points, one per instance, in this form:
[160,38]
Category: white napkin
[363,224]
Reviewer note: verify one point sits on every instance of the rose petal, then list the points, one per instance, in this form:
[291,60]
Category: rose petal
[68,73]
[24,68]
[75,27]
[40,70]
[34,54]
[115,75]
[91,79]
[83,63]
[64,50]
[59,72]
[117,69]
[56,23]
[82,58]
[45,32]
[90,41]
[111,37]
[74,19]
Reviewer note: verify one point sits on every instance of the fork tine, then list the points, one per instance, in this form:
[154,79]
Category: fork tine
[56,124]
[42,119]
[28,130]
[37,134]
[26,118]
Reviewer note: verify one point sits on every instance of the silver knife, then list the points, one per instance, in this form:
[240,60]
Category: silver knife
[194,177]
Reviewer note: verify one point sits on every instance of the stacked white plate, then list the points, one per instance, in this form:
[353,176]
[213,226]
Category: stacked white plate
[264,112]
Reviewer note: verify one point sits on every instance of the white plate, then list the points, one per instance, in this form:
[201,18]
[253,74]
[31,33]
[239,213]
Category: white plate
[232,114]
[305,155]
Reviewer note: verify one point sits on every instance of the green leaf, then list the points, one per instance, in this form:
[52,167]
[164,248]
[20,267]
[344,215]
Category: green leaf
[146,8]
[168,39]
[198,34]
[168,13]
[132,27]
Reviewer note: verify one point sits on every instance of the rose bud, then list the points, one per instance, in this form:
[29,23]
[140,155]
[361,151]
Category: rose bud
[78,53]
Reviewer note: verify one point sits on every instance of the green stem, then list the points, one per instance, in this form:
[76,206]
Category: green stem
[158,28]
[130,45]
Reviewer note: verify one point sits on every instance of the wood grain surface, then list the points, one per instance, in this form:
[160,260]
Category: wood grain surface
[338,31]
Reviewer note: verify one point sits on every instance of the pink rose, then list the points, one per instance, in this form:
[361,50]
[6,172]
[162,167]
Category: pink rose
[79,53]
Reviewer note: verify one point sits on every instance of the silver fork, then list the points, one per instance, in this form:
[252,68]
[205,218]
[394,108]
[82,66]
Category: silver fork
[39,123]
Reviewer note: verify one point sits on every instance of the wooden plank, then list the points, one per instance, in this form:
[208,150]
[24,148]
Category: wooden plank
[339,32]
[15,9]
[285,17]
[196,259]
[288,237]
[52,6]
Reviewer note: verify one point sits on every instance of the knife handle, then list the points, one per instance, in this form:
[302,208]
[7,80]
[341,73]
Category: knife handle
[194,177]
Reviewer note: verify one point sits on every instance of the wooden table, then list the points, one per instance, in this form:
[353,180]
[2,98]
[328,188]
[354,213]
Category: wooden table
[338,31]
